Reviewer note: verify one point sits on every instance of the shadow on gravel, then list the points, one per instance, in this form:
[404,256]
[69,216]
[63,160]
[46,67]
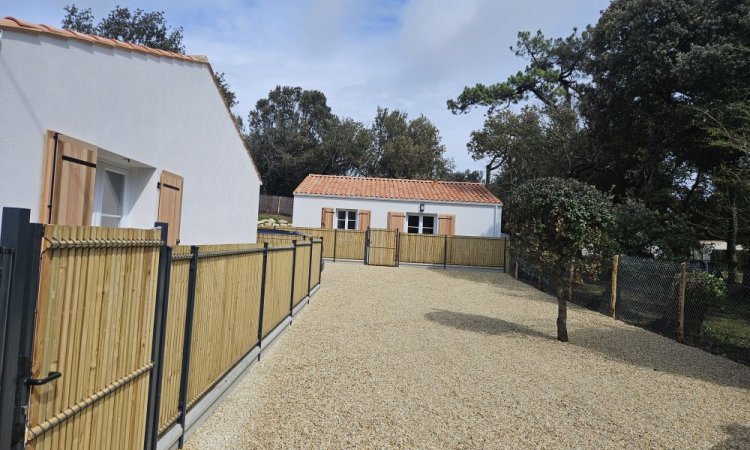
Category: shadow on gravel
[632,346]
[646,349]
[739,437]
[481,324]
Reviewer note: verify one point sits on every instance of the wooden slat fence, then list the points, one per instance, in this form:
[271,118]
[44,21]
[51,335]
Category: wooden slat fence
[97,381]
[94,325]
[471,251]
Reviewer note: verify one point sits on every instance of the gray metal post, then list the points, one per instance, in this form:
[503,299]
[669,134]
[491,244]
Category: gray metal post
[157,350]
[187,342]
[24,239]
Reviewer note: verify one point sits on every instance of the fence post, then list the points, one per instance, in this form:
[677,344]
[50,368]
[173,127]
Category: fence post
[681,303]
[157,349]
[294,271]
[187,341]
[309,268]
[518,257]
[335,234]
[506,261]
[262,295]
[320,267]
[398,247]
[25,239]
[445,252]
[367,243]
[613,296]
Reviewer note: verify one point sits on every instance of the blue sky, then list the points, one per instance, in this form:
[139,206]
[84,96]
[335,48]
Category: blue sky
[411,55]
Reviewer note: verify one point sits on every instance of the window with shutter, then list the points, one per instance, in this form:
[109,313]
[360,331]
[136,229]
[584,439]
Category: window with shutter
[170,204]
[68,185]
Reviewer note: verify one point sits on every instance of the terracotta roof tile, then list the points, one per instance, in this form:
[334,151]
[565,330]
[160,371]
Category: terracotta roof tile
[22,25]
[389,188]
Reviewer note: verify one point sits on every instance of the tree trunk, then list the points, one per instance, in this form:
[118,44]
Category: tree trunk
[562,310]
[732,238]
[488,173]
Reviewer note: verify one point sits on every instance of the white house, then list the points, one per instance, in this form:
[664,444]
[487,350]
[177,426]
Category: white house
[410,206]
[95,131]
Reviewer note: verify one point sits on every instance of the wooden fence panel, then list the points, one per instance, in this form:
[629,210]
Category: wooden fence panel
[301,272]
[95,316]
[315,273]
[476,251]
[382,248]
[174,337]
[225,325]
[350,244]
[421,248]
[278,289]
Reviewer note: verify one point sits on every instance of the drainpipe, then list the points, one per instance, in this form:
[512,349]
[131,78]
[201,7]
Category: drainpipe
[494,223]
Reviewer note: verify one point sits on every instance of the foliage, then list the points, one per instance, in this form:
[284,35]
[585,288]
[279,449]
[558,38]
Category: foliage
[704,292]
[554,221]
[659,93]
[466,175]
[140,27]
[533,143]
[640,231]
[137,27]
[404,148]
[553,75]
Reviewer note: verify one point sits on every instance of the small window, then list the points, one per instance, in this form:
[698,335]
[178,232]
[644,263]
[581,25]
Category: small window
[420,224]
[110,197]
[412,224]
[346,219]
[428,224]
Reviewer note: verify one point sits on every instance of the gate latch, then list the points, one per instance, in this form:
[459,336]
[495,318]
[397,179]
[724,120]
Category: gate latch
[40,381]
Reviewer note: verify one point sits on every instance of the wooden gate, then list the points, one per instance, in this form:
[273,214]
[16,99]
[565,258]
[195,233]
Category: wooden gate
[92,355]
[382,247]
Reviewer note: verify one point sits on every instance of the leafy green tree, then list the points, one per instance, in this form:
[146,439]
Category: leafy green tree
[553,75]
[640,231]
[293,133]
[140,27]
[404,148]
[554,221]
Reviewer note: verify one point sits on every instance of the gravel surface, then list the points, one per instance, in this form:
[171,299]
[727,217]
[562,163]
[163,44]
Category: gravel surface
[431,358]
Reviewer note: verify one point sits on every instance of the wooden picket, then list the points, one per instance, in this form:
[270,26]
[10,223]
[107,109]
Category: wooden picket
[95,315]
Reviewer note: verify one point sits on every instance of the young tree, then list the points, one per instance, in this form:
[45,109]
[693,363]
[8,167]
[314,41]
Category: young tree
[140,27]
[554,221]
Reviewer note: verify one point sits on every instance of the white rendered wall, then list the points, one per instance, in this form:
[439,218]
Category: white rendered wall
[164,113]
[471,219]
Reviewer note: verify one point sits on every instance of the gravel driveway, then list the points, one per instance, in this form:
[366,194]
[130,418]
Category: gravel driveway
[431,358]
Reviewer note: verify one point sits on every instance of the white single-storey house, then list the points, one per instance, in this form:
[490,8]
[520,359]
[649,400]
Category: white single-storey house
[94,131]
[410,206]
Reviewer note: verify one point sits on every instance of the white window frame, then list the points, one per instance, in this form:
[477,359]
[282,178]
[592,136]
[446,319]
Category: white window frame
[347,219]
[101,167]
[421,223]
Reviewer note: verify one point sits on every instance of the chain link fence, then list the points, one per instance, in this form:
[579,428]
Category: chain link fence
[657,294]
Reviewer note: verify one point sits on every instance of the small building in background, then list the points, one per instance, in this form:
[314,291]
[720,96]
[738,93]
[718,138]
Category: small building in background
[410,206]
[94,131]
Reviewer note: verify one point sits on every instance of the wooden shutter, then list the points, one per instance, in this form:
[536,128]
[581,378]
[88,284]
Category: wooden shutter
[396,221]
[326,218]
[170,205]
[447,224]
[69,179]
[364,219]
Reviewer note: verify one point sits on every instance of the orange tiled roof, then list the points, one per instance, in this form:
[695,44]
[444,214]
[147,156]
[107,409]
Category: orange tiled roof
[389,188]
[22,25]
